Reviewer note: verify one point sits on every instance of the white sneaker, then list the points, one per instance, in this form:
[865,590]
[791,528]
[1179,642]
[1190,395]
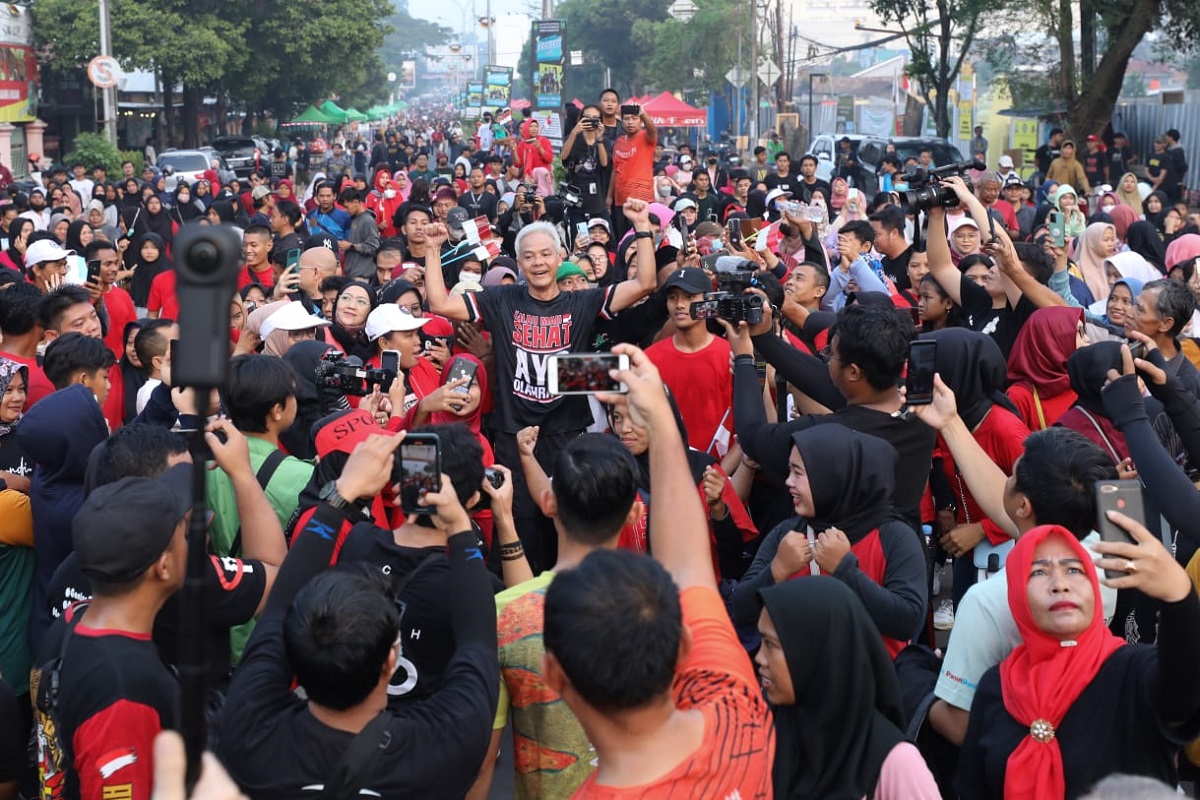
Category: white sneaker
[943,618]
[937,579]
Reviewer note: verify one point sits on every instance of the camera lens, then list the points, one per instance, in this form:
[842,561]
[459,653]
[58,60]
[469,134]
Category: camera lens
[203,258]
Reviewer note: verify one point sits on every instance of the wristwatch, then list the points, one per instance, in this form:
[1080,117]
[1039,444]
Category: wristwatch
[329,494]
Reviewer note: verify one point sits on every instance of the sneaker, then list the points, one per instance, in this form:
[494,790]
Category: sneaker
[943,618]
[937,579]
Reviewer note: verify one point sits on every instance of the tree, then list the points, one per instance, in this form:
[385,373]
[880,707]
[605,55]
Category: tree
[617,35]
[1070,79]
[939,36]
[696,54]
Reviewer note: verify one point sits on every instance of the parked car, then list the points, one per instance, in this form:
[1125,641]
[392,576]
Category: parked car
[243,153]
[188,165]
[871,150]
[224,173]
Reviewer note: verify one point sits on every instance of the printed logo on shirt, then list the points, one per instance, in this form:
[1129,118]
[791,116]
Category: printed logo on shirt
[123,791]
[112,762]
[536,339]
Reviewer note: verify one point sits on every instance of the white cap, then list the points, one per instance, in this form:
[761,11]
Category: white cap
[1006,161]
[771,195]
[45,250]
[685,202]
[599,222]
[390,317]
[292,317]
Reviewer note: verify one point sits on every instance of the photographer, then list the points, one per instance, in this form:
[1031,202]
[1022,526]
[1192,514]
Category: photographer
[527,208]
[585,157]
[337,632]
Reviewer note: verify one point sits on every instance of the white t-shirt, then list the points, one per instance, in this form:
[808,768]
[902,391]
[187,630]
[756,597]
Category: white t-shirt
[985,633]
[143,395]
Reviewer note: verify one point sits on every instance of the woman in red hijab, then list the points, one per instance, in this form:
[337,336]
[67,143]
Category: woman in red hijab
[533,150]
[1039,385]
[1073,703]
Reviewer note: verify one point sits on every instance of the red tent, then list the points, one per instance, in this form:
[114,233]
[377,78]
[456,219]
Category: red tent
[668,110]
[517,105]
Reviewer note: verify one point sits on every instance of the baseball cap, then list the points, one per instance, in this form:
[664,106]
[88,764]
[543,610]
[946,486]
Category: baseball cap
[45,250]
[388,318]
[1006,161]
[123,527]
[771,195]
[351,428]
[692,280]
[455,219]
[292,317]
[569,269]
[259,192]
[685,202]
[599,222]
[1013,180]
[1091,137]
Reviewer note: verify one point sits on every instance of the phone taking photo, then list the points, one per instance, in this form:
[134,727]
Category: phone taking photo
[586,373]
[734,233]
[420,471]
[1058,228]
[922,365]
[1122,496]
[389,361]
[462,368]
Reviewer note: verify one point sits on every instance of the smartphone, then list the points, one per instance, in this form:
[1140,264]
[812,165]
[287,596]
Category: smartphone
[462,368]
[922,364]
[420,471]
[292,259]
[734,233]
[915,313]
[586,373]
[1123,496]
[581,231]
[1136,349]
[93,271]
[389,360]
[1058,228]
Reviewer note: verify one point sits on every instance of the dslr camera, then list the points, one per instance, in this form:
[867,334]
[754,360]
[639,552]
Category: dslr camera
[529,195]
[730,307]
[338,373]
[925,189]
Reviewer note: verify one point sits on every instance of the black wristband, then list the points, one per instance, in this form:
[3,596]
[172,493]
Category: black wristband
[643,235]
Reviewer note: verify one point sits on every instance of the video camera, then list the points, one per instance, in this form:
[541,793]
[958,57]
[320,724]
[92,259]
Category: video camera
[571,196]
[925,189]
[730,307]
[342,374]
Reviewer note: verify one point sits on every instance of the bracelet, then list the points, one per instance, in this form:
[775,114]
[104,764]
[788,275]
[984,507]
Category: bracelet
[510,549]
[516,557]
[643,235]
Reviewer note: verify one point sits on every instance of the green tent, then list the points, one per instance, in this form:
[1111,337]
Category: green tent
[354,115]
[331,110]
[312,116]
[376,113]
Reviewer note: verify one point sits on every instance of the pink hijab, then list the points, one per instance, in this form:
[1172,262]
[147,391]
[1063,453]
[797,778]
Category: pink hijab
[1184,248]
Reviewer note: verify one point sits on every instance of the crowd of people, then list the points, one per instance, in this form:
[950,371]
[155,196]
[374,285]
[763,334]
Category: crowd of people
[726,578]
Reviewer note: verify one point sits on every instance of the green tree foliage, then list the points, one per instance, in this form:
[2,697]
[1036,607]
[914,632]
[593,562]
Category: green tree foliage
[696,54]
[939,36]
[618,35]
[94,148]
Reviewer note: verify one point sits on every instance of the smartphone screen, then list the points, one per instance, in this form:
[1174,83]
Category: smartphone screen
[462,368]
[922,364]
[581,231]
[1123,496]
[93,271]
[586,373]
[420,471]
[915,313]
[389,361]
[293,258]
[704,309]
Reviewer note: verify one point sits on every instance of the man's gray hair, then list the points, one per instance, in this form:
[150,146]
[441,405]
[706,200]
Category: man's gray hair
[1130,787]
[544,228]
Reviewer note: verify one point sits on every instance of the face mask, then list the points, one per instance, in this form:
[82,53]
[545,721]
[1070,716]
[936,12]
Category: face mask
[470,277]
[183,198]
[389,193]
[1108,207]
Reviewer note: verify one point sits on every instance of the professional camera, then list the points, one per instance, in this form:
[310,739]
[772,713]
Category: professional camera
[925,189]
[529,194]
[341,374]
[737,281]
[730,307]
[571,196]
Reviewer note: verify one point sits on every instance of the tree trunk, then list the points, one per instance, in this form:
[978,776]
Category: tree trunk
[1087,41]
[945,76]
[167,132]
[1066,48]
[192,99]
[1092,109]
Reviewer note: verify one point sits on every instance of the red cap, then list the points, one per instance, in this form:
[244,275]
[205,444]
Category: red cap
[1093,137]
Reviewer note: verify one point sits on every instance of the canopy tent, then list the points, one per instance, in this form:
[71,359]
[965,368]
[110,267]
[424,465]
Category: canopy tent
[668,110]
[312,116]
[519,103]
[331,110]
[354,115]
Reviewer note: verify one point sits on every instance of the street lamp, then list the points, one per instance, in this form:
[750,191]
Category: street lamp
[811,75]
[489,22]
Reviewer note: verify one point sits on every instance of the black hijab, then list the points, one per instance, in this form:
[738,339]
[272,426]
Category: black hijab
[73,238]
[1164,205]
[147,271]
[972,365]
[304,357]
[1088,369]
[224,209]
[133,376]
[185,212]
[848,714]
[1143,239]
[851,476]
[160,223]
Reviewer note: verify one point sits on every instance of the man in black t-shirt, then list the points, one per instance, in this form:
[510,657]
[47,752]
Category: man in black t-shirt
[810,183]
[477,200]
[1177,167]
[586,157]
[529,324]
[782,177]
[102,692]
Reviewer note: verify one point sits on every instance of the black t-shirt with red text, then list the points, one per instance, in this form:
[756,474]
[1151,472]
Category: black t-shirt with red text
[525,333]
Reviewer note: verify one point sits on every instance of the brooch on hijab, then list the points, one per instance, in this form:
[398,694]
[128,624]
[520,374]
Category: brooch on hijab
[1042,731]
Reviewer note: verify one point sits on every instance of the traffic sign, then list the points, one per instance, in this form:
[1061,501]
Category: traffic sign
[104,72]
[768,73]
[738,76]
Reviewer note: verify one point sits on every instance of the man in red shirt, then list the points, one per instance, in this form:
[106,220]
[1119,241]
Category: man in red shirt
[21,332]
[256,248]
[633,163]
[987,189]
[117,301]
[70,309]
[695,364]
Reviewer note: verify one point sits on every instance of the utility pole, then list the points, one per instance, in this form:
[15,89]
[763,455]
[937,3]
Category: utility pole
[109,95]
[752,127]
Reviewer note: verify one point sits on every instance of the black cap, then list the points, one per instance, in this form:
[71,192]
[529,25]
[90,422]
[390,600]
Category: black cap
[123,527]
[691,279]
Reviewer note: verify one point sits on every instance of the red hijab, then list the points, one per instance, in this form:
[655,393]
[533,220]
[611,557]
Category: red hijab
[475,419]
[1043,345]
[1042,678]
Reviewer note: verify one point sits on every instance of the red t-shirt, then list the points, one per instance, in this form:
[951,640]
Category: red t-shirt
[162,296]
[1002,436]
[1052,407]
[702,385]
[633,168]
[39,385]
[248,276]
[121,312]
